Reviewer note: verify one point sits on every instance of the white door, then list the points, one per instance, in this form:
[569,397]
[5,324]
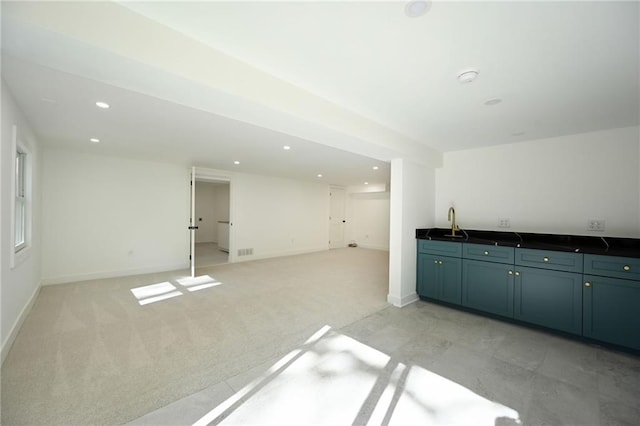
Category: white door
[337,218]
[192,226]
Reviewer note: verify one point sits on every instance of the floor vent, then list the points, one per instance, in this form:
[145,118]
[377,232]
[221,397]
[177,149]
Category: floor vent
[245,252]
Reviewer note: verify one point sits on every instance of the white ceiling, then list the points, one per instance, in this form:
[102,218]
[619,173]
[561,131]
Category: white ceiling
[348,85]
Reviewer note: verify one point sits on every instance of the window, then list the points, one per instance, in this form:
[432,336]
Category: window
[21,212]
[20,241]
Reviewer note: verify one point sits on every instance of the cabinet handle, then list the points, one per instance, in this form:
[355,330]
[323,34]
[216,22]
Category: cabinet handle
[440,262]
[626,267]
[587,284]
[517,274]
[546,259]
[510,272]
[486,253]
[435,261]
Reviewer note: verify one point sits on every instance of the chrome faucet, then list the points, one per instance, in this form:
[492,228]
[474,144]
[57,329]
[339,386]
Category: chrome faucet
[451,217]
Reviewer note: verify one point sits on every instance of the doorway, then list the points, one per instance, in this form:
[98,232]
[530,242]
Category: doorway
[212,220]
[210,207]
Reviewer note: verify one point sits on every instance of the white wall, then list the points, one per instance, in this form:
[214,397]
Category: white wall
[552,185]
[105,216]
[368,218]
[277,217]
[222,200]
[205,206]
[18,285]
[412,195]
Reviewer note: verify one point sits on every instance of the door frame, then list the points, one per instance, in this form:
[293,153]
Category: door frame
[201,174]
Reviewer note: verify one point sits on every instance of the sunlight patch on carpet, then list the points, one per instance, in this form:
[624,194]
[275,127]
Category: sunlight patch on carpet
[198,283]
[155,292]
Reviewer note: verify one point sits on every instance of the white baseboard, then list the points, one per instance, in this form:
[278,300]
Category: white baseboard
[113,274]
[6,345]
[269,255]
[402,301]
[374,247]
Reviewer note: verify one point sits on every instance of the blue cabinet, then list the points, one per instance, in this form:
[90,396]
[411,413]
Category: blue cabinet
[549,259]
[548,289]
[439,277]
[542,287]
[427,284]
[612,310]
[488,253]
[627,268]
[487,278]
[549,298]
[488,287]
[611,300]
[442,248]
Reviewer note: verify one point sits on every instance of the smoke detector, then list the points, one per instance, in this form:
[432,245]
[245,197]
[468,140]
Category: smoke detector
[467,76]
[416,8]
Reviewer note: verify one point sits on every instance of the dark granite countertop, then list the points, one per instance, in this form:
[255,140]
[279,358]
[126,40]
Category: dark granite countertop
[614,246]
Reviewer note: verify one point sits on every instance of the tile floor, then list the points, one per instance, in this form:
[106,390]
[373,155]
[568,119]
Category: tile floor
[426,364]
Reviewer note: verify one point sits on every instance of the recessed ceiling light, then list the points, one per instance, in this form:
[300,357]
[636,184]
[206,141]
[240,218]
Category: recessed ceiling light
[366,183]
[416,8]
[94,140]
[375,167]
[102,105]
[286,147]
[236,162]
[467,76]
[319,175]
[492,102]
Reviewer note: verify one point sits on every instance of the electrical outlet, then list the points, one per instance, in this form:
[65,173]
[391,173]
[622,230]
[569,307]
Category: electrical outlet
[595,225]
[504,222]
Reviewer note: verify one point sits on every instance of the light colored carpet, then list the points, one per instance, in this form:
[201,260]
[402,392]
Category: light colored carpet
[91,353]
[208,254]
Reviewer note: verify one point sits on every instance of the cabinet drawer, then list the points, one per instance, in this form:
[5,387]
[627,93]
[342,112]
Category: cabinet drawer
[547,259]
[443,248]
[612,266]
[488,253]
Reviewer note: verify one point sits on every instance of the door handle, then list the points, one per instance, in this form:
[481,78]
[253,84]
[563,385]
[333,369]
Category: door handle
[193,227]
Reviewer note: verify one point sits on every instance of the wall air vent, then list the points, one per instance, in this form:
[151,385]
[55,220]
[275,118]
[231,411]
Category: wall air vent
[245,252]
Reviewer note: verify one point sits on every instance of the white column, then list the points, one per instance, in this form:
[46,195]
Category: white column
[412,206]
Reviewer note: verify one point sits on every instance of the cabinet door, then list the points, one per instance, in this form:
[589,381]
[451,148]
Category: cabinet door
[439,277]
[612,310]
[488,287]
[549,298]
[450,279]
[428,276]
